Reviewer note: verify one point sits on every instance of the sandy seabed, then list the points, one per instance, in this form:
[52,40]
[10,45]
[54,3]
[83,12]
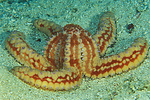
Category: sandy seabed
[19,15]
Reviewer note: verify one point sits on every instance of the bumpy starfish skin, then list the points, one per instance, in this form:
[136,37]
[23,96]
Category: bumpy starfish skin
[70,53]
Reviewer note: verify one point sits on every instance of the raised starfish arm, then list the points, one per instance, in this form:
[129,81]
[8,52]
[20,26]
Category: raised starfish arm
[106,32]
[54,51]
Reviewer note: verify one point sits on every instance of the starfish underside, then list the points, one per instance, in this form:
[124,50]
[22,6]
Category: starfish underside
[72,52]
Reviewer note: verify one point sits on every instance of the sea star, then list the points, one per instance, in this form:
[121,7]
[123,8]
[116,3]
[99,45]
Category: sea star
[72,52]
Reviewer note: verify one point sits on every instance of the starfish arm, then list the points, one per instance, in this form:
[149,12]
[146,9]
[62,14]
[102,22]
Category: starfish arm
[106,32]
[123,61]
[72,50]
[57,80]
[23,53]
[52,50]
[48,27]
[90,55]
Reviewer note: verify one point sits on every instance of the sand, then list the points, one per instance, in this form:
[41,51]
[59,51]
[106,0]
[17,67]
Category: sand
[19,15]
